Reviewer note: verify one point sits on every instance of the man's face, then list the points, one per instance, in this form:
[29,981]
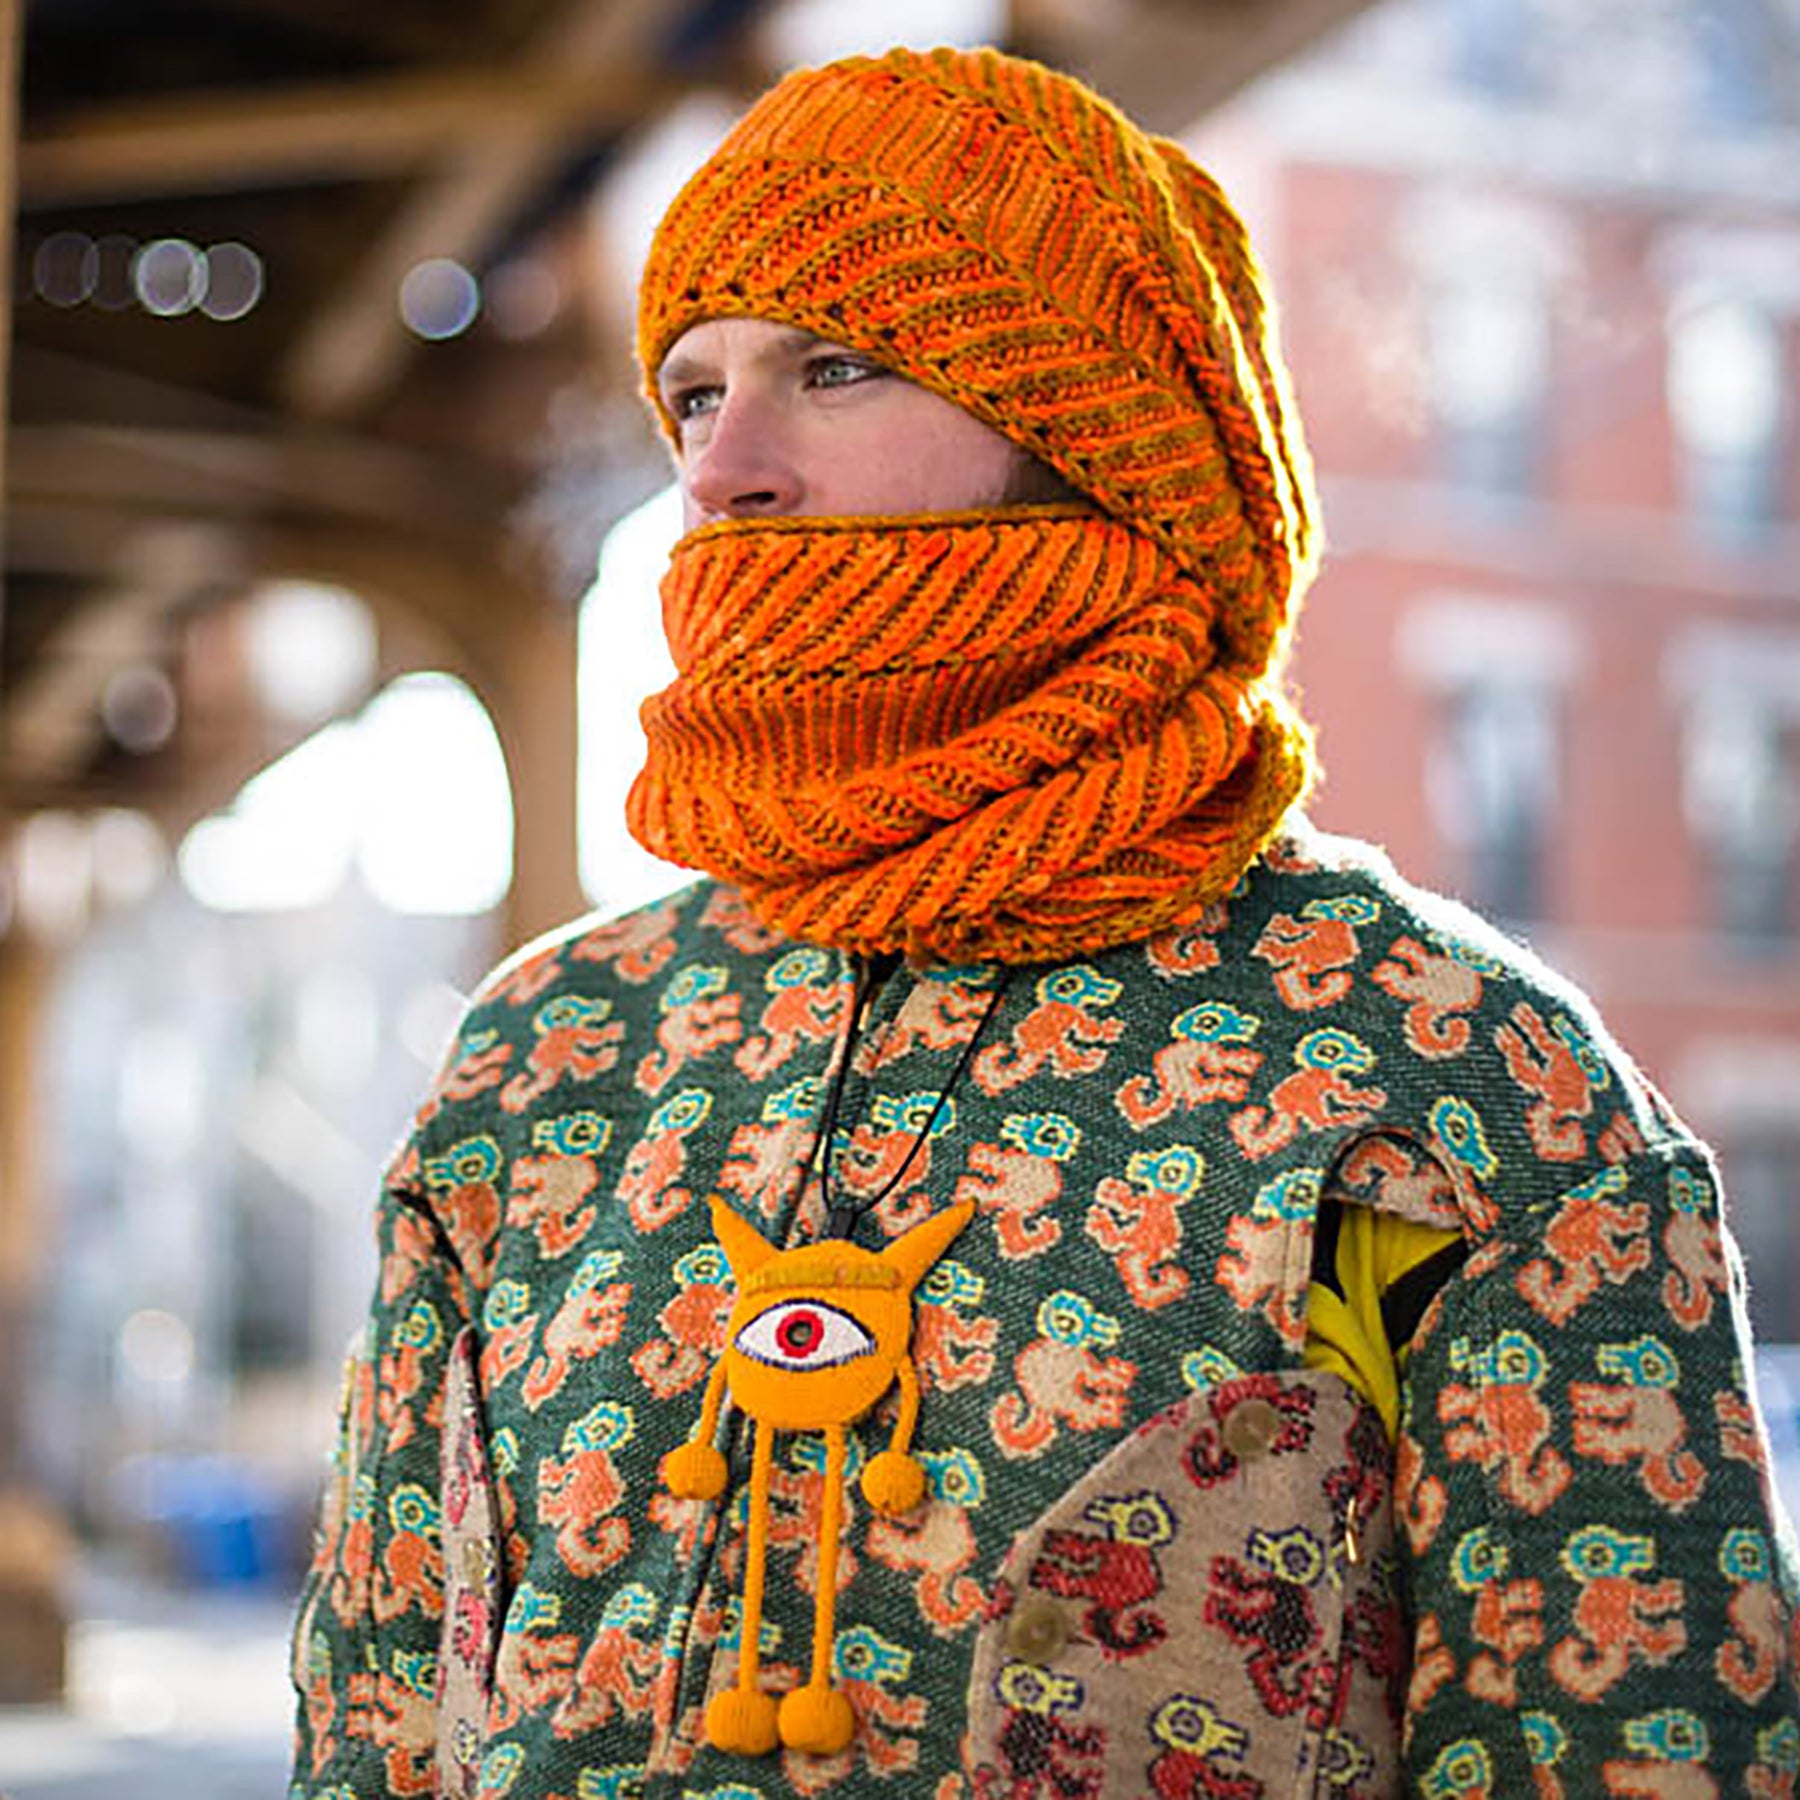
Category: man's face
[776,423]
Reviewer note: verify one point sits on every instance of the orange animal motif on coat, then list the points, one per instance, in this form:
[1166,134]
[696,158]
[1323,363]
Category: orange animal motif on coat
[1620,1140]
[806,1006]
[1558,1066]
[1420,1499]
[938,1015]
[579,1492]
[1673,1769]
[1063,1379]
[1749,1661]
[639,946]
[551,1198]
[409,1254]
[410,1574]
[419,1337]
[1695,1248]
[398,1717]
[321,1704]
[590,1318]
[935,1547]
[1740,1433]
[1621,1615]
[1012,1188]
[1592,1239]
[1060,1035]
[1310,954]
[650,1185]
[535,1669]
[354,1580]
[700,1015]
[577,1039]
[1433,1664]
[480,1064]
[761,1168]
[1395,1173]
[1500,1422]
[1137,1222]
[1637,1418]
[1210,1060]
[1506,1618]
[522,982]
[1318,1096]
[465,1199]
[1259,1267]
[886,1161]
[1189,949]
[693,1326]
[618,1671]
[1439,989]
[727,914]
[954,1349]
[509,1328]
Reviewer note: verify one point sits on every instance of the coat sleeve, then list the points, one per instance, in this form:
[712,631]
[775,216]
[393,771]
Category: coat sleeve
[1599,1580]
[366,1639]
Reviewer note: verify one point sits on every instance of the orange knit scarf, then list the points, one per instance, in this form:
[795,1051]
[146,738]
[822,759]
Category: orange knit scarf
[965,736]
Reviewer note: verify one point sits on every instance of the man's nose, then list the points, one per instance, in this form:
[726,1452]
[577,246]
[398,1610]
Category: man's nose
[741,470]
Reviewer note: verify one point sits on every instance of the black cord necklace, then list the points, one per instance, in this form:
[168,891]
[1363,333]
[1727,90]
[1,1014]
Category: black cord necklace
[841,1219]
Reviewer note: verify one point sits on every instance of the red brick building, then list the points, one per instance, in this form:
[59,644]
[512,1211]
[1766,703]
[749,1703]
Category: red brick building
[1540,268]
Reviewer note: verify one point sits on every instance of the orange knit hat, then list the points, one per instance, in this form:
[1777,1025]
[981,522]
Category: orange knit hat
[1003,236]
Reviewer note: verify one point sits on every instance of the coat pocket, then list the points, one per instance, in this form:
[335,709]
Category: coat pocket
[471,1545]
[1210,1611]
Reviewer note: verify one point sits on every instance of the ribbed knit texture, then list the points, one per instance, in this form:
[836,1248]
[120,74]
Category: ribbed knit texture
[1003,236]
[965,736]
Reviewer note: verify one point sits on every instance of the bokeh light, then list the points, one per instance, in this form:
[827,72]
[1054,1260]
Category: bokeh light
[439,299]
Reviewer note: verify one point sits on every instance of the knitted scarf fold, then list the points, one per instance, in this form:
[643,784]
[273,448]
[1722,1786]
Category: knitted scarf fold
[966,736]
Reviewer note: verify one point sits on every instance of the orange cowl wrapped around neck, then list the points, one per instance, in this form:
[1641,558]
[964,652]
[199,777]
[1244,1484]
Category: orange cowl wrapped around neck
[965,736]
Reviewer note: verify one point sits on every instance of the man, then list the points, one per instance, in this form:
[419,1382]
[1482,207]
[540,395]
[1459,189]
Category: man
[1044,1276]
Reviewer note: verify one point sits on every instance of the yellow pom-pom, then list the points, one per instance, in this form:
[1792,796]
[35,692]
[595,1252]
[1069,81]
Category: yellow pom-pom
[817,1720]
[694,1472]
[893,1483]
[744,1723]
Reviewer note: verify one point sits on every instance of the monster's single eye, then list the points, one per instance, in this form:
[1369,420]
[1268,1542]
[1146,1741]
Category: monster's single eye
[804,1334]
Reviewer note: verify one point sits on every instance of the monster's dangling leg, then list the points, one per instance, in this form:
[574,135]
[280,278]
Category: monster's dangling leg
[893,1482]
[743,1719]
[817,1718]
[696,1470]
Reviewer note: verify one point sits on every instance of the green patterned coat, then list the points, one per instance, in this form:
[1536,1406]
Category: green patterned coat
[1158,1555]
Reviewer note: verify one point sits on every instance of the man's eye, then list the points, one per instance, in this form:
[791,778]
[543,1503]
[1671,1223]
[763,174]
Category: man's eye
[804,1334]
[841,371]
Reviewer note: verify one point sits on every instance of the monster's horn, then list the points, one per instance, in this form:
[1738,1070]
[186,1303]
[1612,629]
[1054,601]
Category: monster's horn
[914,1254]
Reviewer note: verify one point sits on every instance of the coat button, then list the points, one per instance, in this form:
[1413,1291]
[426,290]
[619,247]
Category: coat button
[1036,1631]
[1251,1428]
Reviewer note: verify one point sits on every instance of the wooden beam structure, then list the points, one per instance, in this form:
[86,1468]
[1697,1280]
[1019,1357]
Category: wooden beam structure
[393,125]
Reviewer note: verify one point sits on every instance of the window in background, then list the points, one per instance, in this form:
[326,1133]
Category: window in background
[1489,269]
[1738,792]
[1496,671]
[1493,784]
[1738,694]
[1727,380]
[1489,361]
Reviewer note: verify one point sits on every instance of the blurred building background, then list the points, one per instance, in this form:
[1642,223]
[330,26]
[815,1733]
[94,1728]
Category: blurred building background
[311,704]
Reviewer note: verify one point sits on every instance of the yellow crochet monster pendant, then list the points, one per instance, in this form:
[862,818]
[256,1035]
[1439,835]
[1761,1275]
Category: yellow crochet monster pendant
[817,1335]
